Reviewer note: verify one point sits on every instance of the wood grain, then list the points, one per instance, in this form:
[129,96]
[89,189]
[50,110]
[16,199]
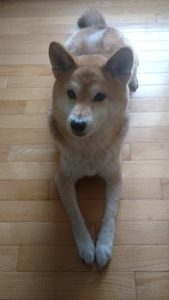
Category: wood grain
[24,121]
[153,105]
[15,107]
[21,59]
[32,211]
[53,210]
[148,135]
[24,136]
[147,210]
[79,285]
[3,82]
[24,189]
[165,188]
[31,94]
[25,153]
[155,119]
[147,151]
[31,170]
[146,169]
[12,107]
[30,81]
[38,233]
[152,285]
[25,70]
[8,258]
[141,189]
[62,258]
[142,233]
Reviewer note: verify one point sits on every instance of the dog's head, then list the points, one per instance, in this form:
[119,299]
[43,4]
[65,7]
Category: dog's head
[90,91]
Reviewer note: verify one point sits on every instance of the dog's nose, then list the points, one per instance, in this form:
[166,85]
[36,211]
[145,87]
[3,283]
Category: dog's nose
[78,126]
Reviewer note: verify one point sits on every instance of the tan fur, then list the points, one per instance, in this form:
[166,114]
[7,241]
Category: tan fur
[91,18]
[89,132]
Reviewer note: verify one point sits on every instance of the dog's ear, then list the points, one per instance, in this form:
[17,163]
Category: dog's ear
[120,64]
[60,59]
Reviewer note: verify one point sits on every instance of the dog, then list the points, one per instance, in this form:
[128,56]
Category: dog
[93,74]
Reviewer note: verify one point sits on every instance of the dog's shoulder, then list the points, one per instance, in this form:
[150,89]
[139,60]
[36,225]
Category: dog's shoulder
[55,130]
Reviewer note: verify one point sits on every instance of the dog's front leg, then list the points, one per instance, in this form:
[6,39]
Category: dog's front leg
[82,236]
[105,238]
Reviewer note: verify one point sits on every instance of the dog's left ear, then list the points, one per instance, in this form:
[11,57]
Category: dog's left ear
[120,64]
[60,59]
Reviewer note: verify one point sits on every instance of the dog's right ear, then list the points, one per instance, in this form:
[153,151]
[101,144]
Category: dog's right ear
[60,59]
[120,64]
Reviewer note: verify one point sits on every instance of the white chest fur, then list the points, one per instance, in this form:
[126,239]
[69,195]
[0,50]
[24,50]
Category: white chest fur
[88,157]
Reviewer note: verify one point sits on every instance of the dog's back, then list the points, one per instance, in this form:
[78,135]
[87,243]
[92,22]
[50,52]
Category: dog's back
[95,37]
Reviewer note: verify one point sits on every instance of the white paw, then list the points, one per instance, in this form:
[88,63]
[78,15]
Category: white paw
[103,254]
[86,251]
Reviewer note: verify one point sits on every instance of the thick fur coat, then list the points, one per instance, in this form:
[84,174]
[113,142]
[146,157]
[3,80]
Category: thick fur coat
[94,71]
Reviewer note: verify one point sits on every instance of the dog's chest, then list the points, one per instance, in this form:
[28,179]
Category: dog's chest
[82,164]
[87,160]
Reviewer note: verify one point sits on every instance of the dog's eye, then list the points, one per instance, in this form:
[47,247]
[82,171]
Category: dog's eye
[71,94]
[99,97]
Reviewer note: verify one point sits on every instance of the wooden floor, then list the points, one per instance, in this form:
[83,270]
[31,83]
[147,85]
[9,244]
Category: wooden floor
[38,258]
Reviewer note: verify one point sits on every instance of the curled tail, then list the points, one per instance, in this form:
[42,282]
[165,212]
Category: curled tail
[91,18]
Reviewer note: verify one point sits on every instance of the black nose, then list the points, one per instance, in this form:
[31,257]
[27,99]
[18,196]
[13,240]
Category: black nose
[78,126]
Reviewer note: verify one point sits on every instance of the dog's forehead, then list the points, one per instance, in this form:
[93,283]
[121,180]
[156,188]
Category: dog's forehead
[87,76]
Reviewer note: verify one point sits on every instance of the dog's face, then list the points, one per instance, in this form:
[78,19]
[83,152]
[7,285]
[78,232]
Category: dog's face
[90,92]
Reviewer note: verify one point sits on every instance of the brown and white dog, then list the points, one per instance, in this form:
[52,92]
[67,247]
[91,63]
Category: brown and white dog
[89,121]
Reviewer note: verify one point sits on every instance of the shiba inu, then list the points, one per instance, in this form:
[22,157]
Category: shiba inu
[94,72]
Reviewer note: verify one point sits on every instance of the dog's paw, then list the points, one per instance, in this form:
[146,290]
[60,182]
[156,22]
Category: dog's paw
[86,251]
[103,255]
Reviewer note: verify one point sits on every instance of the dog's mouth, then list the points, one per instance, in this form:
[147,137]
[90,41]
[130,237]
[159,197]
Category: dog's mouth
[78,134]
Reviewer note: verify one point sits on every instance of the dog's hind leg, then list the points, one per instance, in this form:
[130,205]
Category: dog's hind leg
[82,236]
[105,238]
